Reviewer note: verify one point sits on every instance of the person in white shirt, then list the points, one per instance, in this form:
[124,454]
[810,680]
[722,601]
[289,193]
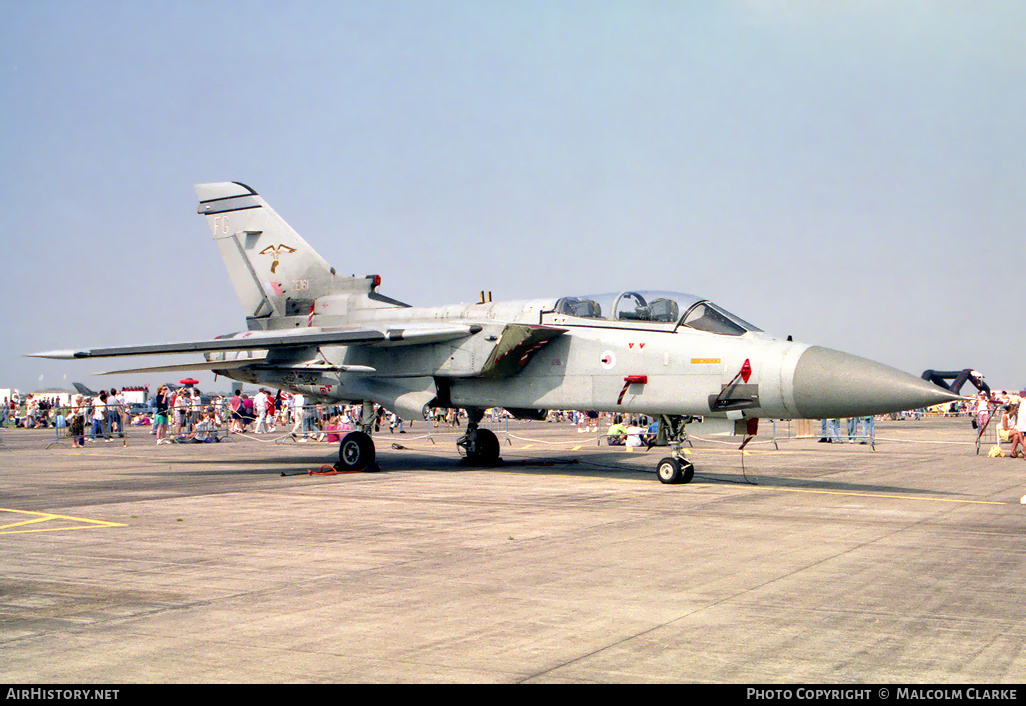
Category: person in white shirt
[634,433]
[395,422]
[115,410]
[298,412]
[195,406]
[181,411]
[99,416]
[982,411]
[260,408]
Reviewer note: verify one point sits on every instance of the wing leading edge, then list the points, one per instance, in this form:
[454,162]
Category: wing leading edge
[261,340]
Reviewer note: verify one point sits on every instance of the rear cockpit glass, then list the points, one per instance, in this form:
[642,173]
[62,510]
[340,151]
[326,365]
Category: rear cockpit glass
[634,306]
[631,306]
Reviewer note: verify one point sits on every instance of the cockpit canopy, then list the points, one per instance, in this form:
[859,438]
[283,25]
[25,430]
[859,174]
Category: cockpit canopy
[651,308]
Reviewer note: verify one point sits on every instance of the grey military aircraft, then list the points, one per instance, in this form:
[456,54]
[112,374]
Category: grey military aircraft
[678,357]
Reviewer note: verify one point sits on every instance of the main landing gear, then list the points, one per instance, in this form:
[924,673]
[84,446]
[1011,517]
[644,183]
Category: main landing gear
[356,451]
[675,468]
[481,446]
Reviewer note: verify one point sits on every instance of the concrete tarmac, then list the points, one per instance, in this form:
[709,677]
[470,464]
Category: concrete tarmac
[817,563]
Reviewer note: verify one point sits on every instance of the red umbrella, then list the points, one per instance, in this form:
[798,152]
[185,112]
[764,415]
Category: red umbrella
[189,381]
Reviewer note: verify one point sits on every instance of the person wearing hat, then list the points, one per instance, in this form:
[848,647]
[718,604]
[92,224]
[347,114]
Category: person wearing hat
[982,411]
[76,427]
[1008,419]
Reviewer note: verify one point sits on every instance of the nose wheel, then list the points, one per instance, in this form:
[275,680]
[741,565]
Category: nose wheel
[672,471]
[676,468]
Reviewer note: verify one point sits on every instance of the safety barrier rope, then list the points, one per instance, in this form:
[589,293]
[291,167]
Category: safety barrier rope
[879,439]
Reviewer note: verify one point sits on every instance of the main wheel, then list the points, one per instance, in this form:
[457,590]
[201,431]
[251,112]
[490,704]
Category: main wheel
[487,450]
[669,470]
[356,452]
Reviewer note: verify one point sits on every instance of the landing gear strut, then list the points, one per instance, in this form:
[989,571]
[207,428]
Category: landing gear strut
[481,446]
[675,468]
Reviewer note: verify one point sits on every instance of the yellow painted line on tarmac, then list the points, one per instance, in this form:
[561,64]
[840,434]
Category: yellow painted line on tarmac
[894,497]
[38,517]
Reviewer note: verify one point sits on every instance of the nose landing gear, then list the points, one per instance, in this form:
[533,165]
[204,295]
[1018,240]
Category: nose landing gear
[675,468]
[671,470]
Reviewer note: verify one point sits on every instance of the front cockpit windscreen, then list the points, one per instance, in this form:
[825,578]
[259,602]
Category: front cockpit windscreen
[654,308]
[706,316]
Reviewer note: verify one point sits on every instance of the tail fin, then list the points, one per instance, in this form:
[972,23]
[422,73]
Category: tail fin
[274,271]
[82,389]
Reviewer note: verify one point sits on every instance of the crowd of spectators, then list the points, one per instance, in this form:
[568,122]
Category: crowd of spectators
[264,413]
[178,416]
[35,412]
[183,415]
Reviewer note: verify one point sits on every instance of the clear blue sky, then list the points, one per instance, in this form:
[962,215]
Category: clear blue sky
[850,173]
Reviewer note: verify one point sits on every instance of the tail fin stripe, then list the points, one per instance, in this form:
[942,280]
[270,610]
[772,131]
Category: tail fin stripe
[232,203]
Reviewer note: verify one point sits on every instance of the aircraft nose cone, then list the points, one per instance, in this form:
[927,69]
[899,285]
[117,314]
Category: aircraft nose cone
[829,383]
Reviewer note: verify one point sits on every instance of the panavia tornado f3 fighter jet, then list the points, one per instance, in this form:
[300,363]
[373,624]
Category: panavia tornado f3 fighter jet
[677,357]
